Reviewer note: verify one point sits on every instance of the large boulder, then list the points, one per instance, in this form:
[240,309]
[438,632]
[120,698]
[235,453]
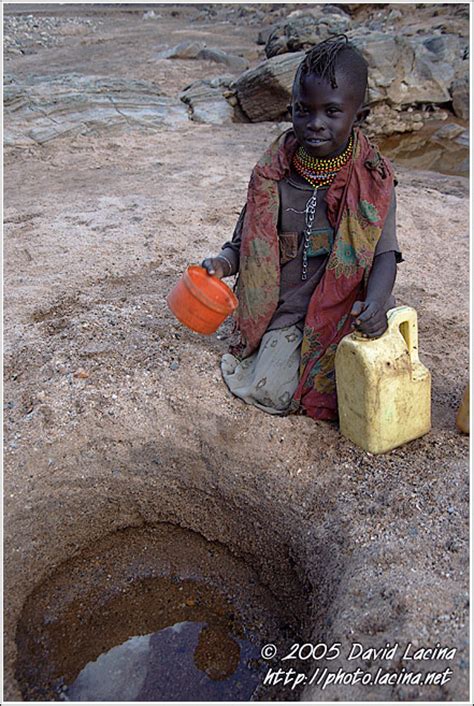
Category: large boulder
[404,68]
[206,101]
[403,71]
[406,71]
[265,91]
[42,108]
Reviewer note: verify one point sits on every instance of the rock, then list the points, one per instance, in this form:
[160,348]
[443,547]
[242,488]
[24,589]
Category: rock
[385,120]
[214,112]
[334,10]
[184,50]
[449,131]
[265,91]
[448,53]
[235,63]
[207,102]
[422,69]
[444,149]
[81,374]
[25,34]
[304,31]
[42,108]
[460,96]
[455,139]
[403,71]
[394,15]
[264,34]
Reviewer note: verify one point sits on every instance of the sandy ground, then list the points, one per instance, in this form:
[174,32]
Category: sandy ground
[116,416]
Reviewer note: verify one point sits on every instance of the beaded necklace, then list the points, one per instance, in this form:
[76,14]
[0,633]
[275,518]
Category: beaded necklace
[320,172]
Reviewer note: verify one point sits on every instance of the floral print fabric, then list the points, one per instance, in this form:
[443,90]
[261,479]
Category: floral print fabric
[357,204]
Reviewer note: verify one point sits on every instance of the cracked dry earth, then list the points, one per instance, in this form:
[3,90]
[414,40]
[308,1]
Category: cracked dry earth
[116,417]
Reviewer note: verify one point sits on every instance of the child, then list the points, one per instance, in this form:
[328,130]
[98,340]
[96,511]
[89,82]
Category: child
[315,244]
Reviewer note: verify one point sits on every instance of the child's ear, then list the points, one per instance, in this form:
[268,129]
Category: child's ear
[361,115]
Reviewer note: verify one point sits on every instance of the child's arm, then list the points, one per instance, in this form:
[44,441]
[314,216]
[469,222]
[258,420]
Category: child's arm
[371,318]
[227,262]
[223,265]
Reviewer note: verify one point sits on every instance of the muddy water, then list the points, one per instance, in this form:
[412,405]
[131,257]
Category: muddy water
[188,660]
[109,626]
[183,641]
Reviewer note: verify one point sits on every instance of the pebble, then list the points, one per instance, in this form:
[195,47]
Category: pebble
[24,31]
[174,365]
[81,374]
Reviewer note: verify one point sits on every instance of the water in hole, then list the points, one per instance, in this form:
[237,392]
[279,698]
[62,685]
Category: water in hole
[151,614]
[157,640]
[186,661]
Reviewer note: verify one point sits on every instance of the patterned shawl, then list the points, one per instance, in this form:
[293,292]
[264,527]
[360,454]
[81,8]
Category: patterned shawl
[357,204]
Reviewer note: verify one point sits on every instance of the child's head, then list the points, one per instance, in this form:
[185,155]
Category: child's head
[328,96]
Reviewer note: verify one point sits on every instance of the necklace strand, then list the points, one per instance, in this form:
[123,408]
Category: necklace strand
[320,172]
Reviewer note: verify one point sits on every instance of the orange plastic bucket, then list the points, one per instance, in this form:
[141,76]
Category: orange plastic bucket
[201,301]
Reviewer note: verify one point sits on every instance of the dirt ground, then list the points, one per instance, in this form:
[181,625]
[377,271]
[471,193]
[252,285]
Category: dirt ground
[116,415]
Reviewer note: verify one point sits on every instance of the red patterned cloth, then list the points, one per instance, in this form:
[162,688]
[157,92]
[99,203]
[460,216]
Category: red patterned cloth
[357,205]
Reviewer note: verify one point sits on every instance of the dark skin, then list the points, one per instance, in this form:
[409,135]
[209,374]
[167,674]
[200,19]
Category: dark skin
[323,118]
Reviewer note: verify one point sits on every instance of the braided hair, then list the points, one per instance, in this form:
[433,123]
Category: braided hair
[336,52]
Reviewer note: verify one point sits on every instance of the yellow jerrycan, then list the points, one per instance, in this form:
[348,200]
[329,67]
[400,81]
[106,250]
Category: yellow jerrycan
[383,391]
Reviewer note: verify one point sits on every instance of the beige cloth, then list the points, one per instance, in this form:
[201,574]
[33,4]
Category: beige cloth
[268,378]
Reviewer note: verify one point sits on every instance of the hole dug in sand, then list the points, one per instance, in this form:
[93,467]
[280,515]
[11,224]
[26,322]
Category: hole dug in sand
[153,614]
[191,550]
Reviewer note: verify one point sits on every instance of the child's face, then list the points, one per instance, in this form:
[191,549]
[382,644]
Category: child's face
[323,116]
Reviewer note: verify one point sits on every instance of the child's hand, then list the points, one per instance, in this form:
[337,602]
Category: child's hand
[216,266]
[371,318]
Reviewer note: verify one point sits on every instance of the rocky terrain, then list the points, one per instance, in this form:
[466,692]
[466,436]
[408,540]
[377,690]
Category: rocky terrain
[130,133]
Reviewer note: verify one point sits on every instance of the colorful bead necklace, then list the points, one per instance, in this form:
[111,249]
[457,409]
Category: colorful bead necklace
[320,172]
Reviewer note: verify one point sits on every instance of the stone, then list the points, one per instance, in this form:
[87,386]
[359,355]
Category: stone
[235,63]
[213,112]
[264,92]
[206,100]
[460,96]
[304,31]
[264,34]
[334,10]
[42,108]
[404,71]
[184,50]
[449,131]
[385,120]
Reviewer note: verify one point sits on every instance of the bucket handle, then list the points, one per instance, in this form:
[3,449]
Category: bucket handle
[404,320]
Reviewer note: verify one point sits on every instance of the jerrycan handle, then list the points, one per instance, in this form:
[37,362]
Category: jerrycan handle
[404,320]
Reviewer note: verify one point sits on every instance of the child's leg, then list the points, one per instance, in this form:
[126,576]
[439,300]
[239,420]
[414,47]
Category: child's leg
[269,377]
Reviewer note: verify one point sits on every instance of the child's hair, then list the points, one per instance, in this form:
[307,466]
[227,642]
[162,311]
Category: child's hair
[334,53]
